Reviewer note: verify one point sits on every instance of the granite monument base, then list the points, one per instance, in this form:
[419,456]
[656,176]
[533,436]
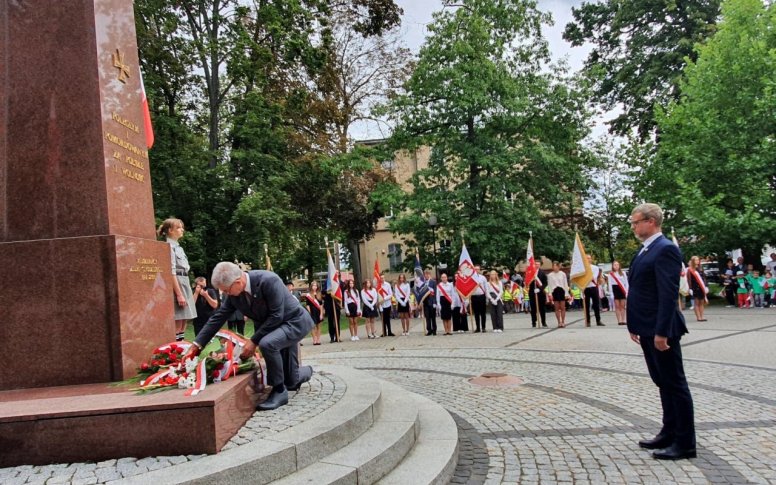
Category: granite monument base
[95,422]
[82,310]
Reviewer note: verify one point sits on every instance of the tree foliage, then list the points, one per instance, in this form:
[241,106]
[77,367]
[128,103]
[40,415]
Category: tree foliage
[243,142]
[639,50]
[504,135]
[715,167]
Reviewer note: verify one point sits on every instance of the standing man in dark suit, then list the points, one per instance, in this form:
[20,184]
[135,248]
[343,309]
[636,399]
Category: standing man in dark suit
[280,324]
[655,322]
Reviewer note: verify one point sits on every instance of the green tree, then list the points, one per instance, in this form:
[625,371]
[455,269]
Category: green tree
[715,169]
[241,142]
[639,50]
[504,133]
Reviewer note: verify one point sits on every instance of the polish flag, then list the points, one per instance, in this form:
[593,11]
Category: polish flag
[533,269]
[149,129]
[378,280]
[333,280]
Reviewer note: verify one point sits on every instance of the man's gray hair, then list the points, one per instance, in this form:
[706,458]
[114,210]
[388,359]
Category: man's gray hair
[224,274]
[650,211]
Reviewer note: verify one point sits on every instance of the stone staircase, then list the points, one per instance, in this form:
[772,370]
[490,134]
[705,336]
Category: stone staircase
[376,433]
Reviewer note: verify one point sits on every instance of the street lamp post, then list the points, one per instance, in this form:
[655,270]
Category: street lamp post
[432,221]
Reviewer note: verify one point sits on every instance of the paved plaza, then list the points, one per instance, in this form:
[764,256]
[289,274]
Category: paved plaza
[587,399]
[584,402]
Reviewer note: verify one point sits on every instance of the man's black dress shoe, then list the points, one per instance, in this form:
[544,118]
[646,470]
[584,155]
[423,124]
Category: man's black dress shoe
[305,373]
[674,452]
[274,401]
[659,442]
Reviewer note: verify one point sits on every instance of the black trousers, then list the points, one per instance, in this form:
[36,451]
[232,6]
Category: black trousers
[667,372]
[387,321]
[592,299]
[332,323]
[542,299]
[480,311]
[430,313]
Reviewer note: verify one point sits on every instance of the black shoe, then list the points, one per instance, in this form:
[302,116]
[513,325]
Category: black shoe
[305,373]
[477,331]
[274,401]
[428,334]
[391,335]
[659,442]
[544,325]
[600,324]
[674,452]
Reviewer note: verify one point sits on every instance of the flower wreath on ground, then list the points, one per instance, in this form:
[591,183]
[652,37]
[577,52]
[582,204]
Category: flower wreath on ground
[167,370]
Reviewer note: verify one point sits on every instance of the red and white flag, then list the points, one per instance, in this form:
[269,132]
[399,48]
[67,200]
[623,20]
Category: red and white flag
[533,269]
[333,282]
[149,129]
[464,280]
[378,280]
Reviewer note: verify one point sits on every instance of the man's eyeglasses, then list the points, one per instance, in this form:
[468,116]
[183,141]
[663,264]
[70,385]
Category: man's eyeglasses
[636,222]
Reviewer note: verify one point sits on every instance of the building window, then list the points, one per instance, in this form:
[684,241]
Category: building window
[394,257]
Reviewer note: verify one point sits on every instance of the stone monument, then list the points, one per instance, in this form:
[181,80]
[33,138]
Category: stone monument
[85,288]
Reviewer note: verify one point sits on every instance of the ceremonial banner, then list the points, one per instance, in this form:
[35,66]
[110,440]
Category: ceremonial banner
[581,272]
[465,282]
[533,269]
[332,281]
[378,280]
[422,287]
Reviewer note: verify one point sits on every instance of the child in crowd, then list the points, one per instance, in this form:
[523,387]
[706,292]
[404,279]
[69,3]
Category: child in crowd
[770,289]
[576,294]
[756,283]
[742,289]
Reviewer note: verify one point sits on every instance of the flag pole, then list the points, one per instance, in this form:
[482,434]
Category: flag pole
[334,300]
[535,294]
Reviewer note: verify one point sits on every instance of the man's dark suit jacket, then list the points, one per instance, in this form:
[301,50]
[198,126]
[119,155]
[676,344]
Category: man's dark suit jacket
[272,307]
[653,293]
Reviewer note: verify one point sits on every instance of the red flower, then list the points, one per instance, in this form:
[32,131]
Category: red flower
[216,374]
[173,347]
[143,366]
[179,350]
[220,366]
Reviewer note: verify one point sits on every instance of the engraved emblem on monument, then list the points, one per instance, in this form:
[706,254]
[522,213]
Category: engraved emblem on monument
[118,63]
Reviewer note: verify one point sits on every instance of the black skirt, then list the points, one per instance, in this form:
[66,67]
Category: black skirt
[558,294]
[618,293]
[446,312]
[367,312]
[404,308]
[352,310]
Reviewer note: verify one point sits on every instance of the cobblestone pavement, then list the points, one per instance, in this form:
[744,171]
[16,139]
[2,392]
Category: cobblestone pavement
[323,391]
[579,414]
[585,402]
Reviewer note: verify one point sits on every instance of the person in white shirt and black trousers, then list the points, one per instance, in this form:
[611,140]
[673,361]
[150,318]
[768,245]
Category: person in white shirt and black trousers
[593,296]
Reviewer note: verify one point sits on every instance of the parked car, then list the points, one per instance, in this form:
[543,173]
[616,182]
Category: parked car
[711,271]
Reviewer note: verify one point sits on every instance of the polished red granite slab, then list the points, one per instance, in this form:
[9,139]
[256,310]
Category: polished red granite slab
[74,160]
[98,422]
[82,310]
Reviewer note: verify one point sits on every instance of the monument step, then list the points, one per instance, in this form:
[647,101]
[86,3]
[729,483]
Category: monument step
[376,433]
[284,453]
[435,455]
[376,452]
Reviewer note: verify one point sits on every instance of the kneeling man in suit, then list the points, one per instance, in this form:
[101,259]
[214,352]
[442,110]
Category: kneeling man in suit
[280,324]
[656,323]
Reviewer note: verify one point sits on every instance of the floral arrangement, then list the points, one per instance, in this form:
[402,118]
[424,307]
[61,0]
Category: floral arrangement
[167,369]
